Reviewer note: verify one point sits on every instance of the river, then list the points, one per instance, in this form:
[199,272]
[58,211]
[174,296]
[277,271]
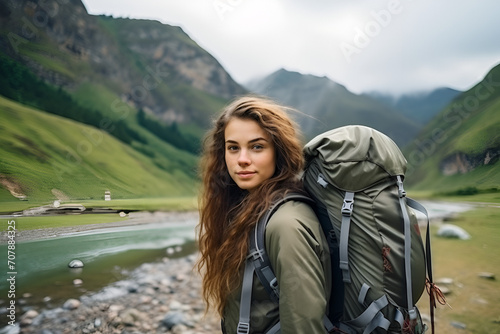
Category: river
[44,280]
[438,210]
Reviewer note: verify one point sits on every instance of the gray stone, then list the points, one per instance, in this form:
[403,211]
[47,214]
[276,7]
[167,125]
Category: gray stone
[173,319]
[458,325]
[179,329]
[453,231]
[444,281]
[487,275]
[130,316]
[30,314]
[71,304]
[445,290]
[75,264]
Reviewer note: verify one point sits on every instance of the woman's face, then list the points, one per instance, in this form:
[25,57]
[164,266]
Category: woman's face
[249,153]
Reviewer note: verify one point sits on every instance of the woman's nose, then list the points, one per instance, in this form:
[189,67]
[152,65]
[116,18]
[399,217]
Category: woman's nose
[244,158]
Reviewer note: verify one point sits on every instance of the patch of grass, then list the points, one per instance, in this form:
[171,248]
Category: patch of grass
[38,222]
[47,55]
[474,300]
[98,96]
[188,203]
[469,191]
[14,205]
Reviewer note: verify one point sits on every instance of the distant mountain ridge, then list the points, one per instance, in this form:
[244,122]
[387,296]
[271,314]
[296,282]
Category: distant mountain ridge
[328,104]
[451,139]
[420,107]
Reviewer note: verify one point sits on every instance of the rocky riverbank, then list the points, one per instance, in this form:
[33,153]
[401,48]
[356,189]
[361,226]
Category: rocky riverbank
[162,297]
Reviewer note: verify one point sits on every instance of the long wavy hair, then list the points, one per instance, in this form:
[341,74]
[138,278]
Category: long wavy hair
[228,213]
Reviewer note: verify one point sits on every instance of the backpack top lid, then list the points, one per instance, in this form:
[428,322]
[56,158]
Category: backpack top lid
[355,157]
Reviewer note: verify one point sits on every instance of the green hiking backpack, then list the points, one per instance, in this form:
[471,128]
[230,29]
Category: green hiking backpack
[354,177]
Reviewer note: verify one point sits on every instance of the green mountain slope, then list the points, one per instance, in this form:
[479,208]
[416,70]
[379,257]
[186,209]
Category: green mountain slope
[460,148]
[40,152]
[328,105]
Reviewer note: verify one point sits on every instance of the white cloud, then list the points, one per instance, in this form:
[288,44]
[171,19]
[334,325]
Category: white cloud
[408,45]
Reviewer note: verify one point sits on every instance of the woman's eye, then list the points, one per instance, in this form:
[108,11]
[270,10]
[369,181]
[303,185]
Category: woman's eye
[232,148]
[258,147]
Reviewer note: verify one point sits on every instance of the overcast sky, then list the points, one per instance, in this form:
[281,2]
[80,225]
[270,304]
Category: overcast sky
[393,46]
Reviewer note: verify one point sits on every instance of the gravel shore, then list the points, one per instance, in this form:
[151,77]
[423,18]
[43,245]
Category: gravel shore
[162,297]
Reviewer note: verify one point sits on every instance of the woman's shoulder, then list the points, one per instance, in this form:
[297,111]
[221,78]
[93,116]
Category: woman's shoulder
[291,214]
[294,229]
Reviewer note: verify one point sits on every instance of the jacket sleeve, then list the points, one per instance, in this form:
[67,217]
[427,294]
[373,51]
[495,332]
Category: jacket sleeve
[296,248]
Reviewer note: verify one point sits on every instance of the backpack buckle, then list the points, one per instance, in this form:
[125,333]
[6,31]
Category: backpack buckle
[321,181]
[347,207]
[243,328]
[274,285]
[401,190]
[255,255]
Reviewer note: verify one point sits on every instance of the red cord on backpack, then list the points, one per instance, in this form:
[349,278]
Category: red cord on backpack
[433,289]
[435,294]
[408,326]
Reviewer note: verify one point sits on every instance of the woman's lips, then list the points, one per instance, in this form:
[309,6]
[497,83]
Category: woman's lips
[245,175]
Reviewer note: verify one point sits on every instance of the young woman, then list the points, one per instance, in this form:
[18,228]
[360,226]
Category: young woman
[252,157]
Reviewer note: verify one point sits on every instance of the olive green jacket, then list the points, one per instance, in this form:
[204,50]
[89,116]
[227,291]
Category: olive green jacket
[299,255]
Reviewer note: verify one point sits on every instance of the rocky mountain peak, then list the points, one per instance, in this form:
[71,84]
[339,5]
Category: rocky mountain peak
[145,63]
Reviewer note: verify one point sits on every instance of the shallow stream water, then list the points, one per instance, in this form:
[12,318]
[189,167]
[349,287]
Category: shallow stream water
[43,278]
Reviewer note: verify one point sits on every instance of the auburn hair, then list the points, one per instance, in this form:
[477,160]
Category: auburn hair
[228,213]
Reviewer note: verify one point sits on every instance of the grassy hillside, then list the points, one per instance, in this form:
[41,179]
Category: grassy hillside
[464,136]
[40,152]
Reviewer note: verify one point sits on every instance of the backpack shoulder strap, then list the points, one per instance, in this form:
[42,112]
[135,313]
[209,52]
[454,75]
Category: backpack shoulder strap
[258,262]
[257,247]
[346,212]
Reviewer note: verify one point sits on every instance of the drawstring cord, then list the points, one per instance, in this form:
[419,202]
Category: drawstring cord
[435,294]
